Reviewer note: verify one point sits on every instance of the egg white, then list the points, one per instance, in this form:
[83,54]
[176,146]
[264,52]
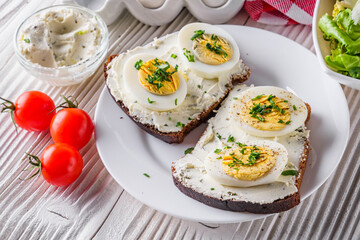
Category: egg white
[298,117]
[200,68]
[133,85]
[213,166]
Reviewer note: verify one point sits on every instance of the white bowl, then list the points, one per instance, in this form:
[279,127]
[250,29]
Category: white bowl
[67,75]
[322,47]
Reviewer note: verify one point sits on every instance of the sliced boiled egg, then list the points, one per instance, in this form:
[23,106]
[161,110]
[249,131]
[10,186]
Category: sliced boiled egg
[208,50]
[267,112]
[155,83]
[245,165]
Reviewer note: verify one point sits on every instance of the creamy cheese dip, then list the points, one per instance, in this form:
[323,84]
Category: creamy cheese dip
[57,38]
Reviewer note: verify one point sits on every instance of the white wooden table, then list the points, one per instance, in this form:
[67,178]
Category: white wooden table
[97,207]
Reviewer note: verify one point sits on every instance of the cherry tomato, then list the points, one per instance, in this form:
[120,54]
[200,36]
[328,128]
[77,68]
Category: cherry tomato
[61,164]
[72,126]
[32,111]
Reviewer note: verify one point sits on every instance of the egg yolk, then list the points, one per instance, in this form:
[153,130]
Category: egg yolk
[266,112]
[159,77]
[249,162]
[212,49]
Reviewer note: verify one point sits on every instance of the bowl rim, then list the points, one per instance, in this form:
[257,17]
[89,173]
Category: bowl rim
[89,61]
[335,75]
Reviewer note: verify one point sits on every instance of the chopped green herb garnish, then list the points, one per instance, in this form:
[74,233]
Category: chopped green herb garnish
[197,34]
[240,144]
[180,124]
[149,101]
[235,98]
[217,150]
[257,97]
[286,101]
[146,175]
[253,157]
[260,118]
[259,109]
[187,54]
[138,64]
[27,40]
[175,101]
[288,122]
[219,157]
[189,118]
[227,147]
[294,107]
[216,48]
[234,194]
[189,150]
[230,139]
[212,189]
[218,136]
[270,97]
[160,74]
[289,173]
[173,56]
[170,118]
[243,151]
[280,121]
[199,86]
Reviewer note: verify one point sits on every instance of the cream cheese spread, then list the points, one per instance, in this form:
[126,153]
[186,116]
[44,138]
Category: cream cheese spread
[191,171]
[202,92]
[57,38]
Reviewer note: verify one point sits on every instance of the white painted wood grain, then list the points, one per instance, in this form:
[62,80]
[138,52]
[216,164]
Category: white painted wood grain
[95,206]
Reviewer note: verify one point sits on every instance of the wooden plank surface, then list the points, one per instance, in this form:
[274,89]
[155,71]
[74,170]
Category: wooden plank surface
[96,207]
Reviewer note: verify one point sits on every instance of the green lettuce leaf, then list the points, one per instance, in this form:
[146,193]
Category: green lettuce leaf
[345,22]
[332,30]
[344,63]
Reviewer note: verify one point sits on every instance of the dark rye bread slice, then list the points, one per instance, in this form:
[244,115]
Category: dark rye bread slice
[242,206]
[178,137]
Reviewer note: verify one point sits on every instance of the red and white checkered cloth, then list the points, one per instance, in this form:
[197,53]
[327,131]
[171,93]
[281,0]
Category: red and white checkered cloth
[281,12]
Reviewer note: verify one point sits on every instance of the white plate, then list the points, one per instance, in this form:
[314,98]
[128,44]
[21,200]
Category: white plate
[128,152]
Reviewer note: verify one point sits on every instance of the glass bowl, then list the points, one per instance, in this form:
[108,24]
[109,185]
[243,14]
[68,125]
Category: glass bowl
[65,75]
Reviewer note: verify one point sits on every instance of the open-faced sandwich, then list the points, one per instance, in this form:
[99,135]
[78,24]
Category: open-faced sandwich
[253,154]
[172,85]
